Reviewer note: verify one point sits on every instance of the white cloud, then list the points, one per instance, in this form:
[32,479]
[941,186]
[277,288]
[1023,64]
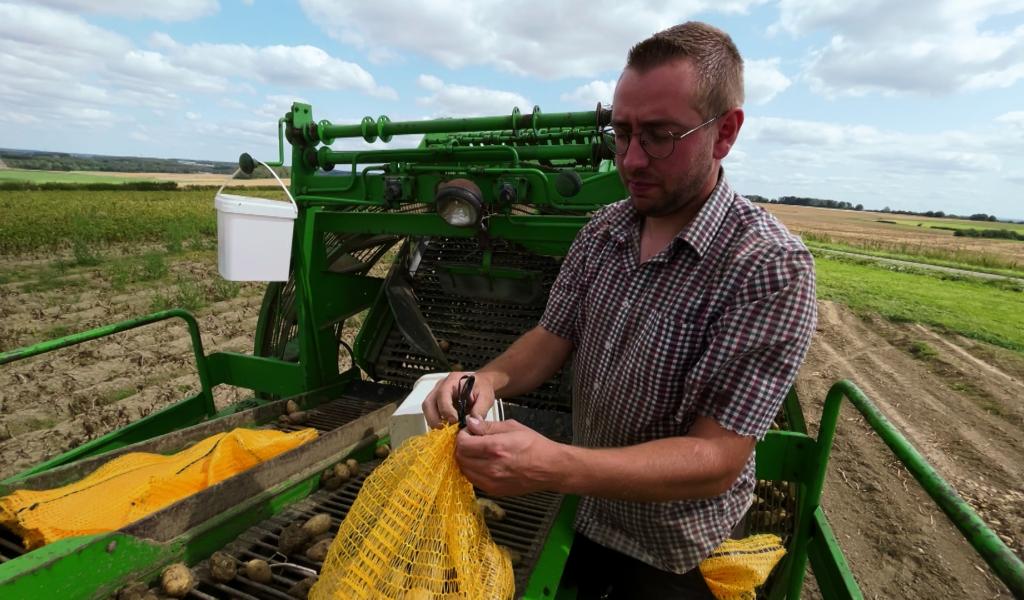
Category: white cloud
[589,94]
[448,99]
[920,46]
[292,66]
[162,10]
[775,145]
[565,39]
[763,80]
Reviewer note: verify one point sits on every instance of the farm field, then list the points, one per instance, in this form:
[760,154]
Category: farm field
[182,179]
[942,357]
[893,236]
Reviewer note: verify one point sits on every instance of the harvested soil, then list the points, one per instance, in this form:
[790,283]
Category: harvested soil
[957,400]
[959,403]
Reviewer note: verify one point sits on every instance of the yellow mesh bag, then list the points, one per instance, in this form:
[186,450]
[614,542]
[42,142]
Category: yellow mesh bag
[737,567]
[137,484]
[414,533]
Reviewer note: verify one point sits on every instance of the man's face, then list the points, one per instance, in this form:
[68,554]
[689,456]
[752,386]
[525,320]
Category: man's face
[661,100]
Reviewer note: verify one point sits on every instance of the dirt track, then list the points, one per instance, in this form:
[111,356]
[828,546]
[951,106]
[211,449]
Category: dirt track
[961,407]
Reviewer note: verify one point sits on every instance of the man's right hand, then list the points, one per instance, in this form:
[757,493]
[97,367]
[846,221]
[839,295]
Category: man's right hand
[439,407]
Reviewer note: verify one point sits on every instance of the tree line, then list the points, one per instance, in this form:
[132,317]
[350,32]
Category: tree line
[822,203]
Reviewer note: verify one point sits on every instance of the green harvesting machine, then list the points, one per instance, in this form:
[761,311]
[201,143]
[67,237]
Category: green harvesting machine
[440,255]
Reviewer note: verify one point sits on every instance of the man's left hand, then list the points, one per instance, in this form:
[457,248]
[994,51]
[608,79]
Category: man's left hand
[507,458]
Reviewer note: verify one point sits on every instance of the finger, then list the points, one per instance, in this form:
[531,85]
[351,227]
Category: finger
[430,413]
[478,426]
[468,445]
[445,401]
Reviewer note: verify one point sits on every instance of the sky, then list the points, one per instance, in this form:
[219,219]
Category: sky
[911,104]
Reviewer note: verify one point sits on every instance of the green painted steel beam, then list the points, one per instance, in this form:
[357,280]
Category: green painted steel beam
[986,543]
[458,154]
[107,330]
[258,373]
[370,129]
[550,566]
[547,231]
[831,571]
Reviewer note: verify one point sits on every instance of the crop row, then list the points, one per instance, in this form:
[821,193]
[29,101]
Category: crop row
[62,219]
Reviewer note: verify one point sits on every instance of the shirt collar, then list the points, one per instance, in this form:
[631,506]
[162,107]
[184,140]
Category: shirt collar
[623,227]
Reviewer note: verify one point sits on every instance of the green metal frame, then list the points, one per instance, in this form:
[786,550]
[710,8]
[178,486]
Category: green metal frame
[515,160]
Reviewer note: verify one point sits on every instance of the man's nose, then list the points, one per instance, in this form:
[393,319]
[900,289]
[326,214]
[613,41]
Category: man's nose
[635,157]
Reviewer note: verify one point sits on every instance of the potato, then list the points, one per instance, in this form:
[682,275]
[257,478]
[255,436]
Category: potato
[292,538]
[223,567]
[353,466]
[342,471]
[318,551]
[317,524]
[332,483]
[177,580]
[298,418]
[258,570]
[292,407]
[490,509]
[301,588]
[382,451]
[284,420]
[513,555]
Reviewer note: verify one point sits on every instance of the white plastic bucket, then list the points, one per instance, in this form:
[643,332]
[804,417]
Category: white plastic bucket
[254,236]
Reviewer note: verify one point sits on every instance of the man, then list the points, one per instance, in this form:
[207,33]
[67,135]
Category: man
[689,311]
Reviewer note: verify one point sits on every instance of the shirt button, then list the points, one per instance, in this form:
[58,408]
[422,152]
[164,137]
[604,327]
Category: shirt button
[625,304]
[608,345]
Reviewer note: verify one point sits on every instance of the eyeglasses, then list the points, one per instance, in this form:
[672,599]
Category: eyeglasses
[657,144]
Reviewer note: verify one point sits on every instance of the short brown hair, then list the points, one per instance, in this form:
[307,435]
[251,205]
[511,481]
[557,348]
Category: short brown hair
[718,63]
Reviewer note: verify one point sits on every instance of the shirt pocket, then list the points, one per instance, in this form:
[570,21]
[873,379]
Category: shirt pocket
[661,354]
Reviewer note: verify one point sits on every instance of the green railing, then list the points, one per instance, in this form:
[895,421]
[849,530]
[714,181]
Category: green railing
[1000,558]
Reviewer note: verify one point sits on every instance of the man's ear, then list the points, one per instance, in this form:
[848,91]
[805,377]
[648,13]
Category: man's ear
[728,130]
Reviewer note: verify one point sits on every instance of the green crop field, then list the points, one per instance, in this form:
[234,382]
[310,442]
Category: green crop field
[988,311]
[59,177]
[35,220]
[959,224]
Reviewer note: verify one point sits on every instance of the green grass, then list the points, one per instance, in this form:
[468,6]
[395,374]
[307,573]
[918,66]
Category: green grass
[39,220]
[116,395]
[954,224]
[968,260]
[59,177]
[922,350]
[988,311]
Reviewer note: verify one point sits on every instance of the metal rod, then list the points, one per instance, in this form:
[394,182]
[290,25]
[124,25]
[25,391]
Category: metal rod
[459,153]
[985,542]
[385,128]
[99,332]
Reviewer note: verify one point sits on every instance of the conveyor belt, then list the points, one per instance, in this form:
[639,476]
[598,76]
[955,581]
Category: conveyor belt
[359,399]
[476,329]
[523,530]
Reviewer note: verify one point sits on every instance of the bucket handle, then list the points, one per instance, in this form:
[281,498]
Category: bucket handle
[281,183]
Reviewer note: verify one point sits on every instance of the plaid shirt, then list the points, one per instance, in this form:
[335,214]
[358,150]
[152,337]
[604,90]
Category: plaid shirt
[716,324]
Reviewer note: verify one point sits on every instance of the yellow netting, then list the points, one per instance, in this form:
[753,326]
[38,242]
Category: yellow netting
[132,486]
[414,533]
[737,567]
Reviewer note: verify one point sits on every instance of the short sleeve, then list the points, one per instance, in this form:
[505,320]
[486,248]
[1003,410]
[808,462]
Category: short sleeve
[757,346]
[562,311]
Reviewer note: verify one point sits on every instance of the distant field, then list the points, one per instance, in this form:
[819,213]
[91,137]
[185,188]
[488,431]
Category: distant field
[62,176]
[959,224]
[864,231]
[182,179]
